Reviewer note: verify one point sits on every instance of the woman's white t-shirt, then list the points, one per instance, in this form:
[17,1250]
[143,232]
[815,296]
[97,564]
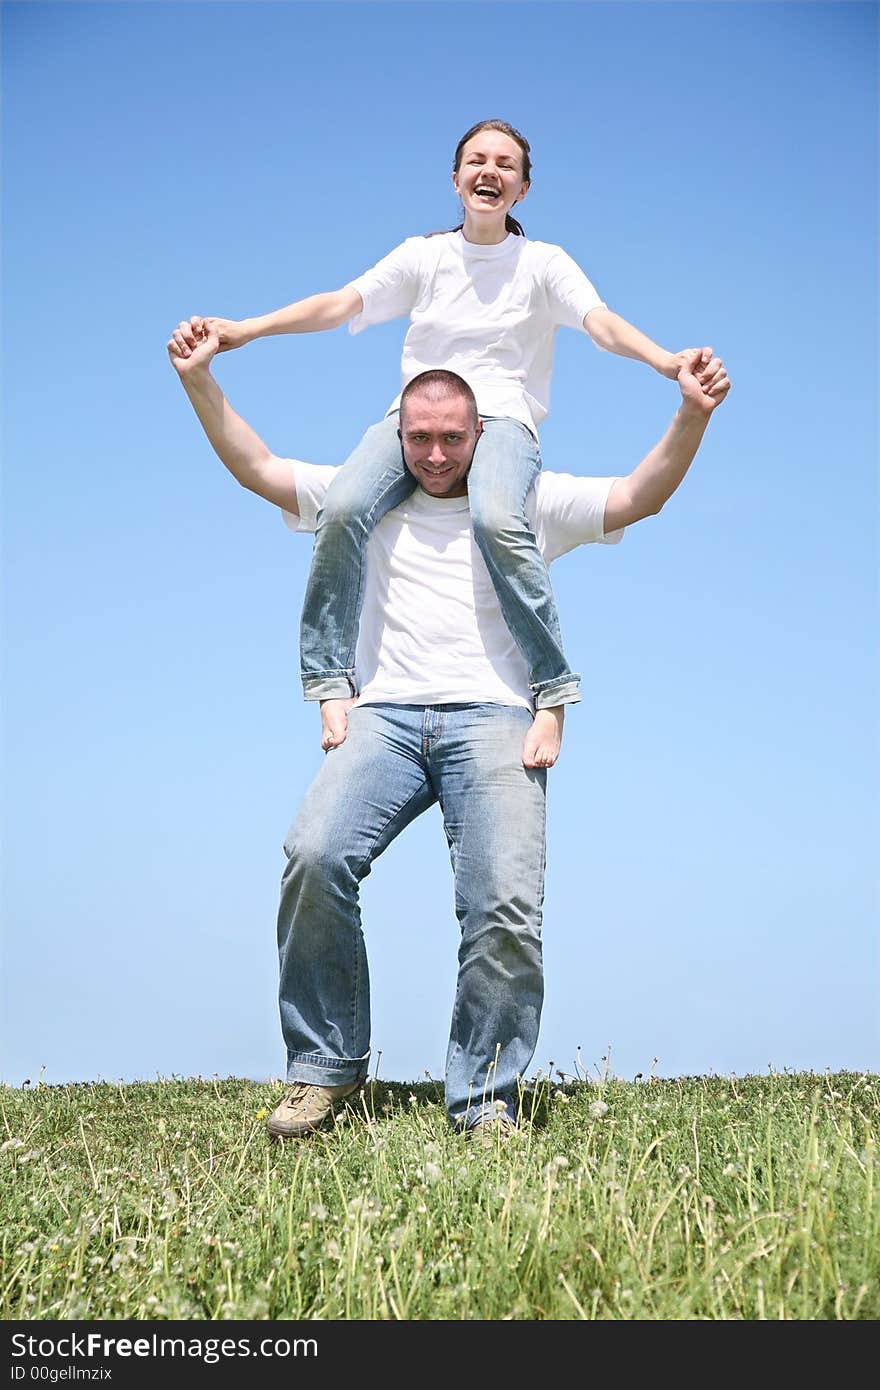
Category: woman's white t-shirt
[488,313]
[431,629]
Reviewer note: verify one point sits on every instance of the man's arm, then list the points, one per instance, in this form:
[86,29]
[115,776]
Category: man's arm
[653,482]
[310,315]
[613,334]
[232,439]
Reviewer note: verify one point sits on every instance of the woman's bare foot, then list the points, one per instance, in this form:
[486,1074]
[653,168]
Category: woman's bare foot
[543,741]
[334,721]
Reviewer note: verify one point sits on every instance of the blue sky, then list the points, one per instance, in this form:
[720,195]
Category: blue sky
[712,882]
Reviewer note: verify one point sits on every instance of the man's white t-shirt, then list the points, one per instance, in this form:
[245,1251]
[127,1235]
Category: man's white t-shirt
[488,313]
[431,628]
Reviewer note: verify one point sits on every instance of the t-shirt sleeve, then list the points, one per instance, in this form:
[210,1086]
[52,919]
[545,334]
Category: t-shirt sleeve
[570,294]
[391,288]
[570,511]
[312,481]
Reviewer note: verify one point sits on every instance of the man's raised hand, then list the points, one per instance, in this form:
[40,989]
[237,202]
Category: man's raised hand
[192,345]
[703,380]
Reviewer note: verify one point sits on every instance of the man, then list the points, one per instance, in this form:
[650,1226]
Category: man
[443,706]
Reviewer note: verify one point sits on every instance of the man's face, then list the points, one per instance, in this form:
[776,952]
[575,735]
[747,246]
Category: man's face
[438,439]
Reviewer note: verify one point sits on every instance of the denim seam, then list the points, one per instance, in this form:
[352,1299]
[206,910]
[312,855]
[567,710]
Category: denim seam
[391,819]
[433,721]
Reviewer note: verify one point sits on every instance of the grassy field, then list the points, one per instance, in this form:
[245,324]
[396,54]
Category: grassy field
[698,1198]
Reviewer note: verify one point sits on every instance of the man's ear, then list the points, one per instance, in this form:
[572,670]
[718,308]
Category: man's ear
[479,430]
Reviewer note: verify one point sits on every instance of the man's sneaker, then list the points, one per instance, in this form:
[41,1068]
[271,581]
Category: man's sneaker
[305,1108]
[487,1133]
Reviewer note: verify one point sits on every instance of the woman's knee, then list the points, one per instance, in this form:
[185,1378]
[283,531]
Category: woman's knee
[498,526]
[346,503]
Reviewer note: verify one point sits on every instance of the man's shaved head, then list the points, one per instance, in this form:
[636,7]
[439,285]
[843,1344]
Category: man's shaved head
[439,385]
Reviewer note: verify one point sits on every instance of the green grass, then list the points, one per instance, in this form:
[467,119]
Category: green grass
[753,1197]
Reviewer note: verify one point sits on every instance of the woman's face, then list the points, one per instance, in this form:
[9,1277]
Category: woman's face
[489,178]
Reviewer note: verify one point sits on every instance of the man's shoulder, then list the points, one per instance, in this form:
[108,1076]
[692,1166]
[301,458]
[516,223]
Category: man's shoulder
[315,474]
[550,484]
[311,481]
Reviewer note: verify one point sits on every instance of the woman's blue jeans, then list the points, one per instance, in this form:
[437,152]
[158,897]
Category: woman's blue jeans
[375,479]
[396,762]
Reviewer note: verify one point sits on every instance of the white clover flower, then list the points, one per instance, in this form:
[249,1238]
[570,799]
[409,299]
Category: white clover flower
[433,1172]
[561,1096]
[11,1144]
[598,1109]
[318,1211]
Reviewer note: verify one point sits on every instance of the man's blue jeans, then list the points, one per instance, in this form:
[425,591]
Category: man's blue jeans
[396,762]
[375,479]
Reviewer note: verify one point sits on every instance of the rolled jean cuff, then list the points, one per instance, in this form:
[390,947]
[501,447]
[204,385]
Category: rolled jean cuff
[326,1071]
[329,685]
[562,692]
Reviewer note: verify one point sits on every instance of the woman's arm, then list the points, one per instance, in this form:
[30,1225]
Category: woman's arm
[612,333]
[310,315]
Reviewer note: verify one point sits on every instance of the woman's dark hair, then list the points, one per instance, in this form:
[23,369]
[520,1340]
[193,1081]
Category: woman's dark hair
[510,223]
